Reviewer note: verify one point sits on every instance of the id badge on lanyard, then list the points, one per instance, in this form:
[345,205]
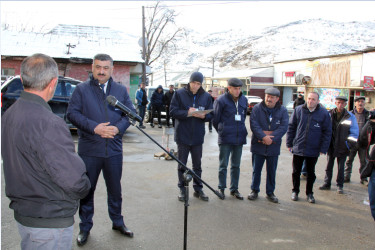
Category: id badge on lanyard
[237,117]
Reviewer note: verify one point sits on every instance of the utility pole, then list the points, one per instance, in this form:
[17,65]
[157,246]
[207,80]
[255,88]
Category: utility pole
[143,46]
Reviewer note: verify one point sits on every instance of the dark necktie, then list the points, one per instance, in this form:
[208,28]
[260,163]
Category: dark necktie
[102,86]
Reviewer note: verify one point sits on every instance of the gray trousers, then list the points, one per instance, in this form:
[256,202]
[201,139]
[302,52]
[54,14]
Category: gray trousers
[362,154]
[45,238]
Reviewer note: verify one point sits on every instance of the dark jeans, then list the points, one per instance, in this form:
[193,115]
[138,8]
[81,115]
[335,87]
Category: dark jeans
[112,171]
[141,113]
[158,110]
[304,171]
[310,163]
[362,160]
[371,192]
[340,171]
[271,165]
[196,156]
[168,116]
[236,152]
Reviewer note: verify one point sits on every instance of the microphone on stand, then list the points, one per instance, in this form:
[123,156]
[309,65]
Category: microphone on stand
[115,103]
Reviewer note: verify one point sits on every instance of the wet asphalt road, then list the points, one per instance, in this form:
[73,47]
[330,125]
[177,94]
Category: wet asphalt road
[152,211]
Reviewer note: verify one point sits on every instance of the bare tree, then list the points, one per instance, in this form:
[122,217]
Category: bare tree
[161,32]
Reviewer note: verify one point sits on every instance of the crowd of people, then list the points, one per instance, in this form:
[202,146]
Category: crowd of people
[47,181]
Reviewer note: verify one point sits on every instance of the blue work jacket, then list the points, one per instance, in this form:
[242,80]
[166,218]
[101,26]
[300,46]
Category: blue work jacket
[260,121]
[230,131]
[190,130]
[309,133]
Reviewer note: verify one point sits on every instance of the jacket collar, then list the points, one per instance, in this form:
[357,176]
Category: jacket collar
[199,92]
[35,98]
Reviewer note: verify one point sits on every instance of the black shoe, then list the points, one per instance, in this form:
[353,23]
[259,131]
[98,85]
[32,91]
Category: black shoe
[340,190]
[142,126]
[152,125]
[294,196]
[124,230]
[310,198]
[82,238]
[325,187]
[236,194]
[159,126]
[346,179]
[181,196]
[253,195]
[201,195]
[222,193]
[210,130]
[272,198]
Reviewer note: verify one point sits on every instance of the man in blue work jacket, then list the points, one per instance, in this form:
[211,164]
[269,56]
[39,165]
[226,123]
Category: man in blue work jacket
[100,129]
[269,123]
[229,121]
[190,130]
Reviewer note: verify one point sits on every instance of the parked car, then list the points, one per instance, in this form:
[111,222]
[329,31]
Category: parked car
[149,91]
[252,101]
[289,107]
[11,90]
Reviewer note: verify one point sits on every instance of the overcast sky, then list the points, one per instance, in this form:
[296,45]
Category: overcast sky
[208,16]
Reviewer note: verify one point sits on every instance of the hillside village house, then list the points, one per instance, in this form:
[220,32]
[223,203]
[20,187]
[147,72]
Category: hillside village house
[255,80]
[350,75]
[73,47]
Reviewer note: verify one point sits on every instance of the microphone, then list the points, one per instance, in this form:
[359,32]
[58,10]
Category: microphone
[115,103]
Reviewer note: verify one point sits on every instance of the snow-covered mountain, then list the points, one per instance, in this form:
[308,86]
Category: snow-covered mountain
[236,49]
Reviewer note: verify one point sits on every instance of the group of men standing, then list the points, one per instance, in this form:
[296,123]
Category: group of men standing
[158,101]
[47,181]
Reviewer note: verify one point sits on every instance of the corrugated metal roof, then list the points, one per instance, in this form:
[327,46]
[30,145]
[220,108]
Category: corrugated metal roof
[72,41]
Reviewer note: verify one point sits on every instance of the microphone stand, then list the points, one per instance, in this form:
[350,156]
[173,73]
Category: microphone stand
[188,176]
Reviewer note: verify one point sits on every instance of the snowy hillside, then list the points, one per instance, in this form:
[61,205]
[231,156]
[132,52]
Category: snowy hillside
[235,49]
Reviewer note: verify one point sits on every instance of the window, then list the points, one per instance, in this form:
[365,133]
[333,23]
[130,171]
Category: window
[6,73]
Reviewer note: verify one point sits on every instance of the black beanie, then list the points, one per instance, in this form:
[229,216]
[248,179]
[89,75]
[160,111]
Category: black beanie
[196,77]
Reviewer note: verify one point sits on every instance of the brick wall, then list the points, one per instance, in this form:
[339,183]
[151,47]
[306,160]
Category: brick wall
[121,73]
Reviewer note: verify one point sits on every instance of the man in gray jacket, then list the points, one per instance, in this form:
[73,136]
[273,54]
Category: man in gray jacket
[44,177]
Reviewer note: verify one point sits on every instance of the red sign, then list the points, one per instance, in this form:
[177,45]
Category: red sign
[368,83]
[289,74]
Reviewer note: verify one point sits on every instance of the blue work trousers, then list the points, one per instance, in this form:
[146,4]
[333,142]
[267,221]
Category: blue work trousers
[112,171]
[235,153]
[271,165]
[141,113]
[196,156]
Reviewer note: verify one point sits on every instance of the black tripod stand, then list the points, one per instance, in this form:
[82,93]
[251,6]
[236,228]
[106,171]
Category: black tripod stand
[188,176]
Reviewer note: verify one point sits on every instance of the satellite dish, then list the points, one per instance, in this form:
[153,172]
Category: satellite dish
[299,78]
[306,80]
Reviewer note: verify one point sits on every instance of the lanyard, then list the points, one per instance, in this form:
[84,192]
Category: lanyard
[237,106]
[195,96]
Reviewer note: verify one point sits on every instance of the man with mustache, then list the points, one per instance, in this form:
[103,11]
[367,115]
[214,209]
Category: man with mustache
[269,123]
[100,129]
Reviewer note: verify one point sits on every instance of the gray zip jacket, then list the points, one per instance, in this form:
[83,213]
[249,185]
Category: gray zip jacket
[44,177]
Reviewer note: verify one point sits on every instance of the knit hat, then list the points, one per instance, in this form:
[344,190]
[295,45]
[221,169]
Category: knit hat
[235,82]
[196,77]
